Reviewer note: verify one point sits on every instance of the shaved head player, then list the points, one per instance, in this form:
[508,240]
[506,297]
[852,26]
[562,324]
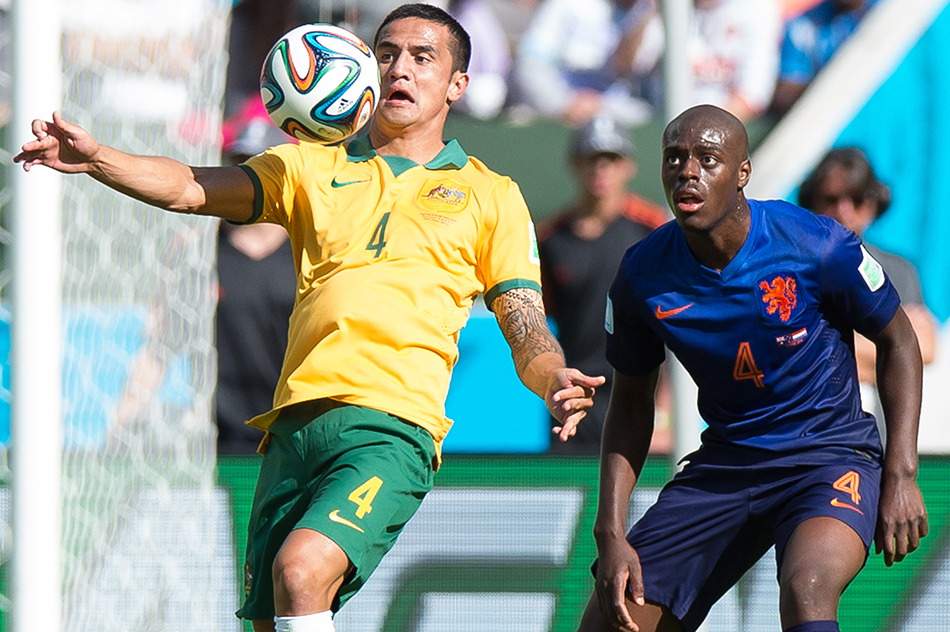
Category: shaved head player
[759,300]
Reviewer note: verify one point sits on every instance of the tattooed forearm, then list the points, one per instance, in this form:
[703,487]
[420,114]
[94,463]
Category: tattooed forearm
[520,314]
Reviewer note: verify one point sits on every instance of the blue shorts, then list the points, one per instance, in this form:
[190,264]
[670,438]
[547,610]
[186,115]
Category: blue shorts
[713,522]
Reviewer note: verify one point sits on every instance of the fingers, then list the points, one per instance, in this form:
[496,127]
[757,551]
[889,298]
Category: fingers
[577,389]
[64,128]
[899,541]
[40,128]
[898,546]
[569,427]
[577,379]
[612,600]
[618,605]
[570,413]
[613,594]
[28,152]
[574,397]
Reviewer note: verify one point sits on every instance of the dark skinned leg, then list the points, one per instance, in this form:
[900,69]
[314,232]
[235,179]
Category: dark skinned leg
[821,558]
[649,618]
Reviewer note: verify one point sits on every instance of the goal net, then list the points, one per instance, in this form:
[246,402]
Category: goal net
[147,539]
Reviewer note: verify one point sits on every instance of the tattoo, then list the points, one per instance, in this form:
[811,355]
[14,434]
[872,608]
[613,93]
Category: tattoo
[520,314]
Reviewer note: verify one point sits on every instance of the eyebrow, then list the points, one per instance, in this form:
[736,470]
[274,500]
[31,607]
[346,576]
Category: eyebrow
[712,148]
[414,49]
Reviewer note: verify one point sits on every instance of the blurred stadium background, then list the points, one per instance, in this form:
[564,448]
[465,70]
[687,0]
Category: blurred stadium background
[151,523]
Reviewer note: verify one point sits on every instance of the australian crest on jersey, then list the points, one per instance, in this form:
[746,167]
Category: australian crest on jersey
[444,195]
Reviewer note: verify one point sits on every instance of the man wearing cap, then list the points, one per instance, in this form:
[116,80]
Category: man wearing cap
[581,247]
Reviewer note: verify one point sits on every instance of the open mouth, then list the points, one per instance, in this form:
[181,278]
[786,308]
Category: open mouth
[688,201]
[397,96]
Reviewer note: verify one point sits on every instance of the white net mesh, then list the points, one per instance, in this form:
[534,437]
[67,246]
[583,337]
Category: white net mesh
[146,537]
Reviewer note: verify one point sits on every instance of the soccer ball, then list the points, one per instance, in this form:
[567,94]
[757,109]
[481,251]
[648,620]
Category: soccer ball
[320,83]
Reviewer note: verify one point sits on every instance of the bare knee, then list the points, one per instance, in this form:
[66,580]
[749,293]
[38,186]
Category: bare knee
[294,576]
[308,571]
[822,556]
[810,594]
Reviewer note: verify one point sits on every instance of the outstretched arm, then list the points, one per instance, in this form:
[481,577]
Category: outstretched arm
[902,517]
[539,360]
[225,192]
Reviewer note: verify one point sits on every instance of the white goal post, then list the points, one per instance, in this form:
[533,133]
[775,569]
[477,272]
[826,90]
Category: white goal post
[115,522]
[36,349]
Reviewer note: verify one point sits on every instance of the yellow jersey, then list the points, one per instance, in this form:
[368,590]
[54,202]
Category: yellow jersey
[390,257]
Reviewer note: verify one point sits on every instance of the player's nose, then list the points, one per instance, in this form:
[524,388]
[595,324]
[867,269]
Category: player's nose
[690,170]
[399,66]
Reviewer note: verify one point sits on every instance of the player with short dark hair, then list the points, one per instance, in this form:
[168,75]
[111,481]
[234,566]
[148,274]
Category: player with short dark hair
[460,44]
[394,236]
[759,300]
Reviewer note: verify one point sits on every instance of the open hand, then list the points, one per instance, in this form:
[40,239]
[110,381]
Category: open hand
[58,145]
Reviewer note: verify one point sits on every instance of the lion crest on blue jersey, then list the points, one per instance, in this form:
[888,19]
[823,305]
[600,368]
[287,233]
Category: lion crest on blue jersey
[779,294]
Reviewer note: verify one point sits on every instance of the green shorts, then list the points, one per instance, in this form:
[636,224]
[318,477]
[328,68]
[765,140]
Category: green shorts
[354,474]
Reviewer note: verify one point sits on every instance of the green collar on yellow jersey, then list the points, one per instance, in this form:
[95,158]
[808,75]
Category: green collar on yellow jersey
[452,156]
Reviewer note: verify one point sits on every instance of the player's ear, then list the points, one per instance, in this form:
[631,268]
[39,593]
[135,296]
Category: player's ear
[457,86]
[745,173]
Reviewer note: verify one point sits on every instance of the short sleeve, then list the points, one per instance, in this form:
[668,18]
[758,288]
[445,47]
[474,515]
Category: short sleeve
[508,247]
[276,175]
[855,284]
[632,347]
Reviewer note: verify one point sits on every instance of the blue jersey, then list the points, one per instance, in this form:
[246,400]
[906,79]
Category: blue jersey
[769,340]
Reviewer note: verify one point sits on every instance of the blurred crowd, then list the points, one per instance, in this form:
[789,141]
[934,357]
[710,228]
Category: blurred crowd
[573,61]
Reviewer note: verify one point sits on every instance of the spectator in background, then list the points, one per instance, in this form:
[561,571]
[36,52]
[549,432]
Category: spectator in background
[565,68]
[844,187]
[733,51]
[256,25]
[810,41]
[491,58]
[581,248]
[256,293]
[514,16]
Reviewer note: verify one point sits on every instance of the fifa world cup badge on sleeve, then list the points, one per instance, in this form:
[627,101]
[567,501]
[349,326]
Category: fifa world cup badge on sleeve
[871,271]
[535,256]
[609,317]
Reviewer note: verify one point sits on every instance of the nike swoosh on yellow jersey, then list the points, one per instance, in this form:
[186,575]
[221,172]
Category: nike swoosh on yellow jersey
[335,517]
[666,313]
[336,184]
[837,503]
